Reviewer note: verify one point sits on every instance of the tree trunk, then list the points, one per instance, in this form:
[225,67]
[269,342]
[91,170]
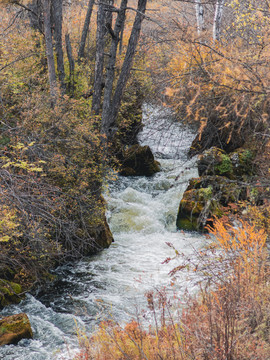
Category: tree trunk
[199,16]
[49,50]
[85,29]
[71,64]
[100,45]
[35,15]
[57,16]
[110,123]
[217,20]
[119,25]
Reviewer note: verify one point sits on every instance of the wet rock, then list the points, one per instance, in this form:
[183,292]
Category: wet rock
[205,198]
[102,235]
[9,293]
[216,162]
[234,165]
[139,161]
[15,328]
[243,162]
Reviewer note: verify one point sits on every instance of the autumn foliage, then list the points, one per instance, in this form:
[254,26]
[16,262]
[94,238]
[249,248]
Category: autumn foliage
[53,161]
[228,318]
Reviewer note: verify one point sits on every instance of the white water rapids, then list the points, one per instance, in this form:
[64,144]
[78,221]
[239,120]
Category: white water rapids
[142,214]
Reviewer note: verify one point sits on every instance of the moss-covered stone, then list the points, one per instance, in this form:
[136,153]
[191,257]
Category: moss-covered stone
[233,165]
[139,161]
[15,328]
[196,207]
[9,293]
[242,161]
[225,166]
[205,198]
[215,162]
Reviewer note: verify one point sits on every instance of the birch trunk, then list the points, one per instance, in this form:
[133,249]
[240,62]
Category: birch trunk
[217,20]
[199,16]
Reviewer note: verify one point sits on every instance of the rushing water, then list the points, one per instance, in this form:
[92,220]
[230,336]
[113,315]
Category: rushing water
[141,214]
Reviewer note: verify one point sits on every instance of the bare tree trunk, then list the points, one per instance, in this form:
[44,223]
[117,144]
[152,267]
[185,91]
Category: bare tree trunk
[57,16]
[121,40]
[35,15]
[49,50]
[109,14]
[109,125]
[199,16]
[99,64]
[119,25]
[71,64]
[85,29]
[217,20]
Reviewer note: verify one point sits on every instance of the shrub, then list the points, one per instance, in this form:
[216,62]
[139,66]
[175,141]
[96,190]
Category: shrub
[228,318]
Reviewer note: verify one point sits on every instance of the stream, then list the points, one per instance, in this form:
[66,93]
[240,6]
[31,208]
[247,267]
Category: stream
[141,213]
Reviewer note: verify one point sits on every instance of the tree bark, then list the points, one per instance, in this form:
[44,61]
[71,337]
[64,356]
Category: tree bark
[217,20]
[85,29]
[109,124]
[119,25]
[49,50]
[57,17]
[99,64]
[71,64]
[199,16]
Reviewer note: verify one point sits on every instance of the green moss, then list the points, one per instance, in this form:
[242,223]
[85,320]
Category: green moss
[9,293]
[14,328]
[188,224]
[205,193]
[225,167]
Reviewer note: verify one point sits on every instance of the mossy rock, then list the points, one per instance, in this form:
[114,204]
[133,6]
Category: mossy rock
[15,328]
[9,293]
[196,206]
[215,162]
[139,161]
[233,165]
[242,161]
[205,198]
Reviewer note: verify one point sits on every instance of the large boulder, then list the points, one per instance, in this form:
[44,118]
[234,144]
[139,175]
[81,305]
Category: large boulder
[138,161]
[205,198]
[15,328]
[9,293]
